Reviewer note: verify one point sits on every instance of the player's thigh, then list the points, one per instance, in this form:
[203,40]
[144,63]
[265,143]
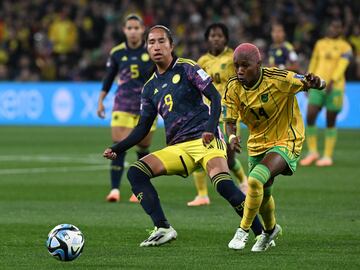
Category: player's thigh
[145,143]
[122,123]
[280,160]
[176,161]
[214,160]
[316,97]
[334,100]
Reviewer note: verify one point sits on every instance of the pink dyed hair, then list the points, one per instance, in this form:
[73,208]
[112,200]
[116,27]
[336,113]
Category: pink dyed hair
[248,51]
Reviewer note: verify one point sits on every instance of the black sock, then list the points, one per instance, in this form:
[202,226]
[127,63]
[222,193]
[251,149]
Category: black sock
[116,170]
[139,176]
[270,231]
[227,189]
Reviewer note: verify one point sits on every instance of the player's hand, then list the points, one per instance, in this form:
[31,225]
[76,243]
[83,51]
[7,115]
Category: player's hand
[101,110]
[109,154]
[311,81]
[207,137]
[234,143]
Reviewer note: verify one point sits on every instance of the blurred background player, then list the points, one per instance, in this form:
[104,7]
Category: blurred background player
[131,62]
[217,62]
[281,52]
[176,91]
[330,58]
[264,99]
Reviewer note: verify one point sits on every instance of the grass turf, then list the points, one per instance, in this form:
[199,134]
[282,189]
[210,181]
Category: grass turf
[53,175]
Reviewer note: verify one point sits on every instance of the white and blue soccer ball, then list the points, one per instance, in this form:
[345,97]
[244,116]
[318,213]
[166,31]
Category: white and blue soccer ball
[65,242]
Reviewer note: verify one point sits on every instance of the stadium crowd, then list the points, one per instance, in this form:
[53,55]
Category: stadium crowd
[70,40]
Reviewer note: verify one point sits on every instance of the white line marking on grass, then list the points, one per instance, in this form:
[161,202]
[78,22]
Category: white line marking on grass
[90,159]
[55,169]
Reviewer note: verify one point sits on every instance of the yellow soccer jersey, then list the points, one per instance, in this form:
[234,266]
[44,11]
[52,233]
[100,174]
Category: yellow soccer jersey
[330,59]
[219,67]
[269,109]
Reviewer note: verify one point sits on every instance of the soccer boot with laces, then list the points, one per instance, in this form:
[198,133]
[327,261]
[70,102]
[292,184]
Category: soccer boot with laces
[265,240]
[239,240]
[159,236]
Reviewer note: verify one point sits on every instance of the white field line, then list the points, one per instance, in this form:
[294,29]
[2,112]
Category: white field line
[52,170]
[90,159]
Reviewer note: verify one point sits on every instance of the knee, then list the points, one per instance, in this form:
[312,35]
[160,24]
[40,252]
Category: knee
[254,183]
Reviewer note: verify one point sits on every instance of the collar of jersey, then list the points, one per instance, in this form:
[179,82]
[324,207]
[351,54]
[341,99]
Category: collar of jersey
[223,52]
[256,85]
[134,49]
[173,62]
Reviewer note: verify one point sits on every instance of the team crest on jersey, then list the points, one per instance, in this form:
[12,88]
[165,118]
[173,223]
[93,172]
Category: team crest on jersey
[264,97]
[124,58]
[145,57]
[176,79]
[223,66]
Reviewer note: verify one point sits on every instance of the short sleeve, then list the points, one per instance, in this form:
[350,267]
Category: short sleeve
[147,106]
[197,76]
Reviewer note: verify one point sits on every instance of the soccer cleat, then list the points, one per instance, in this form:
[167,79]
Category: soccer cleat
[199,200]
[159,236]
[324,162]
[239,240]
[265,240]
[133,199]
[113,196]
[309,159]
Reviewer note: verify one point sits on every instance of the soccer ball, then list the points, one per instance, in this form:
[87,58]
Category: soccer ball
[65,242]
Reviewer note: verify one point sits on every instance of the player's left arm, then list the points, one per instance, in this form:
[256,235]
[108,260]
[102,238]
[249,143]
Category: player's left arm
[342,64]
[213,95]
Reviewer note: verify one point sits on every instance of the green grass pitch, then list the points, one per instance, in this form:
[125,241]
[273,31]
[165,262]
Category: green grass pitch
[53,175]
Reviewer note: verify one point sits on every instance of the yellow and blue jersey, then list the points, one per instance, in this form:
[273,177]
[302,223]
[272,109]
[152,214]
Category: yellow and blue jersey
[133,68]
[269,109]
[280,56]
[177,95]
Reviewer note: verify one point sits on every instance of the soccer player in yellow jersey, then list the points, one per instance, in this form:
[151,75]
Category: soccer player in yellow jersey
[330,59]
[264,99]
[217,62]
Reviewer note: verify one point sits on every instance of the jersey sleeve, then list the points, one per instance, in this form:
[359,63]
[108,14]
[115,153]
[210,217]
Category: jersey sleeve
[291,83]
[230,104]
[197,76]
[343,63]
[111,71]
[147,106]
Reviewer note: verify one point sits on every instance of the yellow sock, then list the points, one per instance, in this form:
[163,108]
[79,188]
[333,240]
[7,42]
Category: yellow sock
[239,172]
[311,139]
[253,201]
[267,212]
[200,182]
[330,141]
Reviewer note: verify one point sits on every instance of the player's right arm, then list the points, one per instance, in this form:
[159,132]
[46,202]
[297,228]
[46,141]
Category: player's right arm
[314,59]
[111,71]
[148,113]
